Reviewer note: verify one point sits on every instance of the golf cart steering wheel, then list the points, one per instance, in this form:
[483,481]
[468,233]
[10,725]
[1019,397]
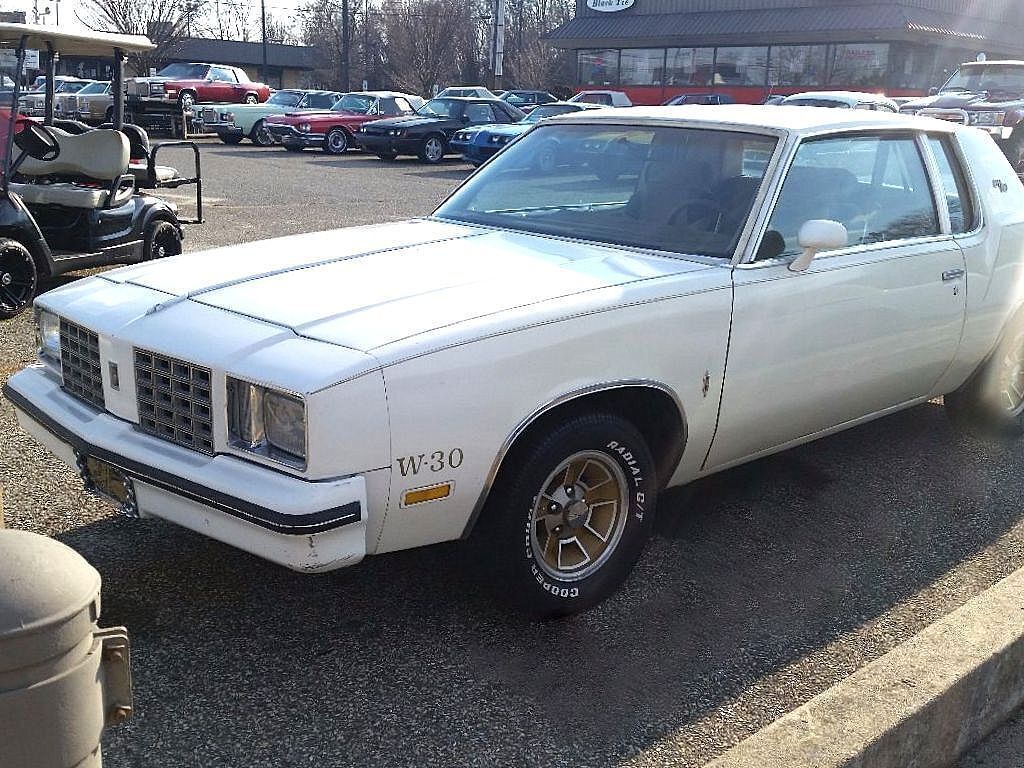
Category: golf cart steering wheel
[38,142]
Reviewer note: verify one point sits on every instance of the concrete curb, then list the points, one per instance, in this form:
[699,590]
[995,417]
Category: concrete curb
[923,704]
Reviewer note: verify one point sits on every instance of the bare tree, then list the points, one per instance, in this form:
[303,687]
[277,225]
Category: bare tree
[167,23]
[280,30]
[227,20]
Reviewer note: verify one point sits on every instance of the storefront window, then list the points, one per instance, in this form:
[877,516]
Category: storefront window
[741,66]
[910,66]
[642,66]
[858,65]
[797,65]
[689,66]
[599,67]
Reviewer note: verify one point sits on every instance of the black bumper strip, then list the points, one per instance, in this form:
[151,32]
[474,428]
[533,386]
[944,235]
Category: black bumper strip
[296,525]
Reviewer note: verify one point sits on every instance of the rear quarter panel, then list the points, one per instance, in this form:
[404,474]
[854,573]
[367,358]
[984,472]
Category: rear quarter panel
[994,254]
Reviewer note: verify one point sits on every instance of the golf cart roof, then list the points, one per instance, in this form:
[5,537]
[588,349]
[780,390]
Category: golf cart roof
[71,43]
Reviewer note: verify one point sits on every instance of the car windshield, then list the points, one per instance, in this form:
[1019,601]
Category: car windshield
[184,71]
[321,100]
[354,102]
[285,98]
[441,108]
[998,78]
[94,88]
[809,102]
[547,110]
[68,86]
[682,190]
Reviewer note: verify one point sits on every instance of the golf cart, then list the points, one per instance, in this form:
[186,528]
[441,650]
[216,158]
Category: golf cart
[71,196]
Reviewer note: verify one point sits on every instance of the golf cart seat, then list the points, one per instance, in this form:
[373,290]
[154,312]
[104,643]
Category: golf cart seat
[138,166]
[89,172]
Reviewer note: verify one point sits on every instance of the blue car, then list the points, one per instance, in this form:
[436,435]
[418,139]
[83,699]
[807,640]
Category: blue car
[480,142]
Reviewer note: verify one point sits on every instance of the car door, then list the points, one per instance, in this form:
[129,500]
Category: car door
[866,327]
[223,85]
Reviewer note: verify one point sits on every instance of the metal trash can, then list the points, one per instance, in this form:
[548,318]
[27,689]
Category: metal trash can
[62,679]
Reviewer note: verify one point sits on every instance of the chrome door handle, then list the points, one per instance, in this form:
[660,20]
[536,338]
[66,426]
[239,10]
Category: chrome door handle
[952,274]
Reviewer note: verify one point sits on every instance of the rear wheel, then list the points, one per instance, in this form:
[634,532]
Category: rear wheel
[432,149]
[991,402]
[260,136]
[251,98]
[19,278]
[186,101]
[336,141]
[162,239]
[570,516]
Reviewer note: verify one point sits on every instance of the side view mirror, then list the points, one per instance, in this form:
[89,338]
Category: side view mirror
[932,91]
[817,235]
[465,118]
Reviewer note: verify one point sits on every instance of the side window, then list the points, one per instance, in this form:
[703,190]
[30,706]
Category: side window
[399,105]
[954,186]
[876,186]
[480,113]
[222,75]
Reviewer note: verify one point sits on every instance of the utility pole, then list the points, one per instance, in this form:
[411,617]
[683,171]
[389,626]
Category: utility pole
[263,24]
[499,41]
[344,46]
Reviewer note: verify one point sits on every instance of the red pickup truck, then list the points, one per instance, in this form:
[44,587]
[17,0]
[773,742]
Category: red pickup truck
[190,84]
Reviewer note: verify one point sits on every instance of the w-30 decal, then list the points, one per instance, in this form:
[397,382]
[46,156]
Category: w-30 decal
[434,462]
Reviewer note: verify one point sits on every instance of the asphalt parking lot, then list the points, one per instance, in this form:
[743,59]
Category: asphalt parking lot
[764,586]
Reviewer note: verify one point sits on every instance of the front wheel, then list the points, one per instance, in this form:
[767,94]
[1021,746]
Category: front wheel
[336,141]
[260,136]
[162,239]
[570,517]
[991,403]
[432,150]
[186,101]
[19,279]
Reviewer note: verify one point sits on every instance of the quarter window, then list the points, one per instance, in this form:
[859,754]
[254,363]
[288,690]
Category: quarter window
[954,186]
[222,75]
[875,186]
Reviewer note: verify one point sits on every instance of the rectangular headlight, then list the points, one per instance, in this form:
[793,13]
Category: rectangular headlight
[48,336]
[267,422]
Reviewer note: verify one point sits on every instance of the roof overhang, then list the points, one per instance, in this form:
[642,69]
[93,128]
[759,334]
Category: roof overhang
[71,43]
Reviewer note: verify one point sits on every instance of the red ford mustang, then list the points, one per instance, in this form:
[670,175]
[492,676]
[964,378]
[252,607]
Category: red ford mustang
[334,130]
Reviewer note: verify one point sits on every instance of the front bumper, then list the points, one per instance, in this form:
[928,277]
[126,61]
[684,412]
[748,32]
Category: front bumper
[304,525]
[292,137]
[224,130]
[398,145]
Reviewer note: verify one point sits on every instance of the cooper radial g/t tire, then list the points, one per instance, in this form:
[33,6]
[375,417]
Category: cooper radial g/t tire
[569,519]
[991,402]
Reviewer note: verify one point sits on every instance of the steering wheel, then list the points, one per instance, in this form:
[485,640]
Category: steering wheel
[38,142]
[699,211]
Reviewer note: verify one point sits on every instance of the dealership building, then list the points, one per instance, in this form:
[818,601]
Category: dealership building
[751,49]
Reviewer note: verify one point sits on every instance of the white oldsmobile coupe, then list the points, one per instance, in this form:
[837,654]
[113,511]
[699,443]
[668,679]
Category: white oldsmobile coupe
[684,289]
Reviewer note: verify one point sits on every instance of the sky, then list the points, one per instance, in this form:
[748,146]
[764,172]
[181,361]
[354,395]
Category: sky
[66,10]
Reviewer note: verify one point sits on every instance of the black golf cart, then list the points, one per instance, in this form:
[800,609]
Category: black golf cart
[71,196]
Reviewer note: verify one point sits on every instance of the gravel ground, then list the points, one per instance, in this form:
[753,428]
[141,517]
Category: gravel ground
[764,586]
[1004,748]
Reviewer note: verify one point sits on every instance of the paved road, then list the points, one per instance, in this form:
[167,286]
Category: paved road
[764,586]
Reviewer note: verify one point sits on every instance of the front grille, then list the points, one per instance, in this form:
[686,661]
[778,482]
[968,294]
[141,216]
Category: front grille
[80,363]
[174,400]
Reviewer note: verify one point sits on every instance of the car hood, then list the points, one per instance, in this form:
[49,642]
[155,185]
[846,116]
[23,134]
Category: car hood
[413,284]
[962,100]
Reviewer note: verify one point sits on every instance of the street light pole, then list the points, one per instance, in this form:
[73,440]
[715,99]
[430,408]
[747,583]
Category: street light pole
[263,24]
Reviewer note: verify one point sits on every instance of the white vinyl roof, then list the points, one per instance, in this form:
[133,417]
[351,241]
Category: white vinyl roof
[794,119]
[71,43]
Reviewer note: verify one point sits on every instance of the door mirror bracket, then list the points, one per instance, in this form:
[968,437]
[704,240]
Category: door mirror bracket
[817,235]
